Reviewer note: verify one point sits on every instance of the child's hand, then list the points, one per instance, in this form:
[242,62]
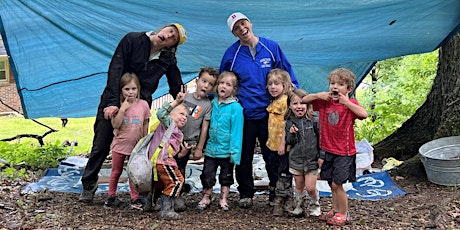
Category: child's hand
[324,95]
[320,162]
[197,154]
[343,99]
[293,129]
[126,104]
[184,149]
[181,95]
[281,150]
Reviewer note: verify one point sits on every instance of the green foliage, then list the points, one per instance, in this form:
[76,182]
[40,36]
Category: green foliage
[31,156]
[21,157]
[401,88]
[25,156]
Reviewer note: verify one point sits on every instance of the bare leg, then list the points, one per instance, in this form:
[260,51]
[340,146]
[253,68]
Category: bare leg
[225,190]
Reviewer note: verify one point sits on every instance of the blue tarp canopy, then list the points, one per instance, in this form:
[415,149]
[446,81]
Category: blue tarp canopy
[60,50]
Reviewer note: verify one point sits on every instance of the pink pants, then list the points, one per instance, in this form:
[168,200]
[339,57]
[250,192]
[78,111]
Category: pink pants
[118,161]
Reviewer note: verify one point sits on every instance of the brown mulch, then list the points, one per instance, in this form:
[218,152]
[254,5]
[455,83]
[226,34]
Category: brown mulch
[425,205]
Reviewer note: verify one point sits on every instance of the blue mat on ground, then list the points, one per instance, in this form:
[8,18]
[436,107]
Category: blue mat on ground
[375,186]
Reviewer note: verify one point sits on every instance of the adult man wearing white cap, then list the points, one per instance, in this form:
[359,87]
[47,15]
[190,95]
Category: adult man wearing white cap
[252,57]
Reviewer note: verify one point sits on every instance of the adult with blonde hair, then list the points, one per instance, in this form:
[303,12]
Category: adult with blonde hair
[149,55]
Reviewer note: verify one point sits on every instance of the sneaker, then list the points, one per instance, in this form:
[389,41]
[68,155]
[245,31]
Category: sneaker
[326,216]
[245,202]
[339,220]
[137,204]
[315,210]
[87,195]
[112,202]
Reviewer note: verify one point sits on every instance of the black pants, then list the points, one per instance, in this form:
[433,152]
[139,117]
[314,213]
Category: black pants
[284,183]
[252,130]
[208,176]
[103,136]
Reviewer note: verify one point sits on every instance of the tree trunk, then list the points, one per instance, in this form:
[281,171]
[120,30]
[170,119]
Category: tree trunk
[437,117]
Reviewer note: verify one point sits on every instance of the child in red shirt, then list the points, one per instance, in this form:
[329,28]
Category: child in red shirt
[337,115]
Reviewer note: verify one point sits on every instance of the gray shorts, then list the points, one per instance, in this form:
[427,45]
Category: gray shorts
[338,169]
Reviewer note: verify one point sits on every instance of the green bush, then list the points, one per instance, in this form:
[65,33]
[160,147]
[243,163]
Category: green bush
[20,157]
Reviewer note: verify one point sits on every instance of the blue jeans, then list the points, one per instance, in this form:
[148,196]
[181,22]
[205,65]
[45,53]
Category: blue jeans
[252,130]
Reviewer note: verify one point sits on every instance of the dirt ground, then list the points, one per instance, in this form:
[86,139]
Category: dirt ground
[425,206]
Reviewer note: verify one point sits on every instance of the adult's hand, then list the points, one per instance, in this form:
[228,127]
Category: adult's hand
[110,111]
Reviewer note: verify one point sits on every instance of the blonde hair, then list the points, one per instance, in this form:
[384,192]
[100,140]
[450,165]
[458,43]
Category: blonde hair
[284,77]
[126,78]
[299,93]
[345,75]
[231,74]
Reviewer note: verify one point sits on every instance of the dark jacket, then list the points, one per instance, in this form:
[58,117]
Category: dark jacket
[132,55]
[304,144]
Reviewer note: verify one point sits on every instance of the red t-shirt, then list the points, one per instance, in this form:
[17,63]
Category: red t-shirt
[336,122]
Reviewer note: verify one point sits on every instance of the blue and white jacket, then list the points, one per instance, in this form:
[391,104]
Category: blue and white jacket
[252,73]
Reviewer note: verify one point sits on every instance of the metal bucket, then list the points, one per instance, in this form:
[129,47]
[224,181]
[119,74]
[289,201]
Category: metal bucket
[441,159]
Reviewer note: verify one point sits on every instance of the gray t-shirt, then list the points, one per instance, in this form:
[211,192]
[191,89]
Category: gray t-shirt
[199,109]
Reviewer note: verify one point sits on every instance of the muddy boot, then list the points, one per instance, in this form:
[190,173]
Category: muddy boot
[271,196]
[157,205]
[179,204]
[167,208]
[288,204]
[278,209]
[314,206]
[148,200]
[298,199]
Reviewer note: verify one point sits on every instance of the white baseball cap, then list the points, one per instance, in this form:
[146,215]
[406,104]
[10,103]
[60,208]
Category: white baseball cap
[233,18]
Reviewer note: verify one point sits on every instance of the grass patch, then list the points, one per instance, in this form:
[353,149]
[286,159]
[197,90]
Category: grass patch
[77,129]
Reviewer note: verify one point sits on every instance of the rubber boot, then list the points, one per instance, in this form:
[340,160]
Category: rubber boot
[315,210]
[179,204]
[167,208]
[271,196]
[298,199]
[157,205]
[278,209]
[148,201]
[288,204]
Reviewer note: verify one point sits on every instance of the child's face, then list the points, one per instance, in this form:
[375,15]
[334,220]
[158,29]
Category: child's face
[275,86]
[130,91]
[225,87]
[297,107]
[179,115]
[337,86]
[204,85]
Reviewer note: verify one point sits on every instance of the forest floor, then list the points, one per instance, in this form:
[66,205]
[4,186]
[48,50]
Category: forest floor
[425,206]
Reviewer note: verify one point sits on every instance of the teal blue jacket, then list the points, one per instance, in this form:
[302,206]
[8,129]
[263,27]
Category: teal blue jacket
[226,130]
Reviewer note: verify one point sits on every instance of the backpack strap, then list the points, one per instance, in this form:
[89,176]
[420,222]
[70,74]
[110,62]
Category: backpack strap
[165,139]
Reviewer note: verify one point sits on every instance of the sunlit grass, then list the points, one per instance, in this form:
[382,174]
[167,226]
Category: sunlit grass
[77,129]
